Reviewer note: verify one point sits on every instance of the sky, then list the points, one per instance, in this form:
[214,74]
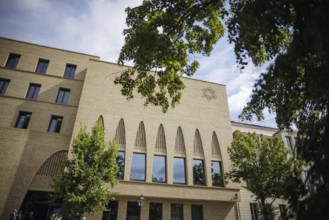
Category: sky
[96,26]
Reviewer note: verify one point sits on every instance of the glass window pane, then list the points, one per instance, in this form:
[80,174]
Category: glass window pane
[159,169]
[121,164]
[133,211]
[197,213]
[13,60]
[138,167]
[198,172]
[42,66]
[55,124]
[70,71]
[176,211]
[3,86]
[63,96]
[155,211]
[179,170]
[216,174]
[23,120]
[33,91]
[112,211]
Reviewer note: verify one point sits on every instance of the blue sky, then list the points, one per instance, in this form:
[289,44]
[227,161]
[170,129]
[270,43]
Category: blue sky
[95,27]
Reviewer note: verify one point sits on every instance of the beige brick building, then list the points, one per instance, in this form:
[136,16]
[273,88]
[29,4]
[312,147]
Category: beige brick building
[48,93]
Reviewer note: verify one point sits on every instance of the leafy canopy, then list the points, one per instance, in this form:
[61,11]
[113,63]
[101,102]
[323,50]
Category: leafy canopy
[93,163]
[265,165]
[164,36]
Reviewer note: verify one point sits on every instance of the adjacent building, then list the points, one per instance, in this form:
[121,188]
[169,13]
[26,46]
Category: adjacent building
[47,94]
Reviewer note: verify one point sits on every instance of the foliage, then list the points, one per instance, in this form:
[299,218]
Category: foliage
[93,163]
[164,36]
[295,86]
[264,165]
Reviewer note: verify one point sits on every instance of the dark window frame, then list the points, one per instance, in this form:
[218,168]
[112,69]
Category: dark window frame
[121,173]
[133,210]
[202,182]
[195,208]
[63,96]
[185,179]
[217,182]
[254,211]
[70,70]
[152,211]
[13,60]
[132,165]
[165,169]
[23,119]
[173,211]
[33,95]
[58,120]
[4,83]
[42,66]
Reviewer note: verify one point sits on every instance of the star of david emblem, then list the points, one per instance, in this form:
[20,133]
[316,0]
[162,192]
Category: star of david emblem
[209,93]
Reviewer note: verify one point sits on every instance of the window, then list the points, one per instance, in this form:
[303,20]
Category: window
[70,71]
[289,143]
[196,212]
[23,120]
[179,170]
[133,211]
[112,211]
[254,211]
[176,211]
[42,66]
[13,60]
[198,172]
[3,85]
[216,174]
[121,164]
[63,96]
[33,91]
[138,167]
[159,169]
[283,212]
[55,124]
[155,211]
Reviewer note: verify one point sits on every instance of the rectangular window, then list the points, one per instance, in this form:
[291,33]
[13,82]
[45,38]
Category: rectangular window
[179,170]
[176,211]
[112,211]
[198,172]
[33,91]
[283,212]
[138,167]
[159,169]
[155,211]
[42,66]
[23,120]
[121,164]
[63,96]
[70,71]
[254,211]
[133,211]
[55,124]
[289,143]
[216,174]
[3,85]
[13,60]
[197,212]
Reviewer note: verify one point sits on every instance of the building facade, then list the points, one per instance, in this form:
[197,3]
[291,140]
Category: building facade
[47,94]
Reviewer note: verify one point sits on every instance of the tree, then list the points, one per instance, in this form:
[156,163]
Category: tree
[265,166]
[164,35]
[92,163]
